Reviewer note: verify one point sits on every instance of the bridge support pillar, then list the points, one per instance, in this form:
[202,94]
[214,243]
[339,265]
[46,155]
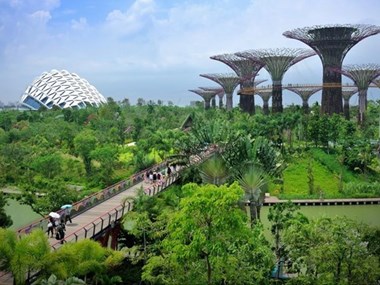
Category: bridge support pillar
[110,236]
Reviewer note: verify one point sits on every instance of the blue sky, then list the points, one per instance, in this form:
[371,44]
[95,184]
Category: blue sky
[156,49]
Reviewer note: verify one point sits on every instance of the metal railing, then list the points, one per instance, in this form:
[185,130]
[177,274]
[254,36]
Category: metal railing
[93,200]
[107,193]
[107,219]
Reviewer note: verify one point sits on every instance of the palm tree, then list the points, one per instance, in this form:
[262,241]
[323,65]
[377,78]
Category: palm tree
[253,180]
[22,256]
[214,171]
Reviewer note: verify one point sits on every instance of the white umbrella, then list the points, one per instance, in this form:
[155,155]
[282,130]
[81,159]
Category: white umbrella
[54,215]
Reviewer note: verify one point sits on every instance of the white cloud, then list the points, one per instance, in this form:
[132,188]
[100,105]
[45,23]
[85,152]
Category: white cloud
[40,17]
[160,48]
[80,24]
[134,19]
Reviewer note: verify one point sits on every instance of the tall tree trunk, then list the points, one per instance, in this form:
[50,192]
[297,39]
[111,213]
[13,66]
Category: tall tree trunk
[332,92]
[277,97]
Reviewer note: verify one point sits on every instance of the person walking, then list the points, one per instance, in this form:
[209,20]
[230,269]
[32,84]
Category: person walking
[68,215]
[50,227]
[60,235]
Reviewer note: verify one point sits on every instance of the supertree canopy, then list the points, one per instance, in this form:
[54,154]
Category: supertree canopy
[305,93]
[362,75]
[247,70]
[228,81]
[347,93]
[331,43]
[277,62]
[206,95]
[218,92]
[265,95]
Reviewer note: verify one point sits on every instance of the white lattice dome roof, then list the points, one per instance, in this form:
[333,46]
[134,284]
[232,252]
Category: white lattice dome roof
[62,89]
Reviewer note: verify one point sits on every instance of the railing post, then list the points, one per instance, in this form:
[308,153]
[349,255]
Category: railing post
[76,237]
[93,232]
[122,210]
[85,233]
[101,227]
[116,214]
[109,218]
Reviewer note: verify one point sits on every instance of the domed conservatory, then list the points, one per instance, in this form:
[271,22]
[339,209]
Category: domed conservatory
[62,89]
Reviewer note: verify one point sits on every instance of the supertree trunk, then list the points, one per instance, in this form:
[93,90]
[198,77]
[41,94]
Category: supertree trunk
[213,102]
[346,108]
[221,102]
[277,98]
[332,92]
[266,106]
[247,104]
[305,106]
[229,101]
[207,104]
[362,105]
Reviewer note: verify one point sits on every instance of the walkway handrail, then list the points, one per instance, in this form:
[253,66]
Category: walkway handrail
[99,197]
[94,199]
[107,219]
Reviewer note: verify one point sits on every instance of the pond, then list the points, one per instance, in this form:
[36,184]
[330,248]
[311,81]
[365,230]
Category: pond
[369,214]
[21,214]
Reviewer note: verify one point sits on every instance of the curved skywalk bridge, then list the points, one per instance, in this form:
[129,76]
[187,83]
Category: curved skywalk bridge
[92,215]
[95,213]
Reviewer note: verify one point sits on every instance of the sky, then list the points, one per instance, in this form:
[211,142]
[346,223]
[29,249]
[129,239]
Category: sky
[156,49]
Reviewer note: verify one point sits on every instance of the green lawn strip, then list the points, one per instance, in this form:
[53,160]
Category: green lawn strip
[296,181]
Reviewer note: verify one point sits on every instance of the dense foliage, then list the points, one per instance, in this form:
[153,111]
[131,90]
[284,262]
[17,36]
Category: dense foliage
[202,232]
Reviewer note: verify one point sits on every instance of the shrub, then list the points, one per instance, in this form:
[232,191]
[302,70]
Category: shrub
[361,189]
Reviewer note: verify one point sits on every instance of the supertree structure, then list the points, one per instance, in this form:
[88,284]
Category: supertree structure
[218,92]
[362,75]
[277,62]
[247,70]
[206,95]
[376,82]
[228,81]
[305,93]
[265,95]
[347,93]
[331,43]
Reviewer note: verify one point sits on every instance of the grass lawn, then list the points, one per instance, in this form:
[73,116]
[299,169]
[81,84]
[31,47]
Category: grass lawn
[296,181]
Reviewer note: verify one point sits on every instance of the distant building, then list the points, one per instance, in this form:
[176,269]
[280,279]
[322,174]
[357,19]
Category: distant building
[62,89]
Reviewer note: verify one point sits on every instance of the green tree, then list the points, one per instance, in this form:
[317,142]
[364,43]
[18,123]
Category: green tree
[49,165]
[107,155]
[253,181]
[84,143]
[86,259]
[332,251]
[214,170]
[23,256]
[208,242]
[280,216]
[5,220]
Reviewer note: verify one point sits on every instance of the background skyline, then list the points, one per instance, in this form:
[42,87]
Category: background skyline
[156,49]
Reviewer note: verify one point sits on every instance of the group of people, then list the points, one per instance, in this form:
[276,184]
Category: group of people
[156,177]
[57,226]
